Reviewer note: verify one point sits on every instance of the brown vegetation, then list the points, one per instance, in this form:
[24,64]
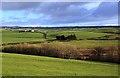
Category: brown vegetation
[107,54]
[106,37]
[44,49]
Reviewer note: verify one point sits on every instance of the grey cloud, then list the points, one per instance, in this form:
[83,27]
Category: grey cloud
[18,5]
[62,12]
[71,12]
[35,5]
[106,9]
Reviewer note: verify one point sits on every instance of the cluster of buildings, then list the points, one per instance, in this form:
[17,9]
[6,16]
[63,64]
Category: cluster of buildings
[27,30]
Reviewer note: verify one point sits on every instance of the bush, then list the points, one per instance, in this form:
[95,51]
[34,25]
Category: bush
[106,54]
[96,53]
[69,37]
[23,49]
[60,50]
[45,49]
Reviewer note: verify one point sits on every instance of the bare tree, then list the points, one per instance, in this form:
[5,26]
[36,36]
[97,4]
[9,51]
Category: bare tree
[44,34]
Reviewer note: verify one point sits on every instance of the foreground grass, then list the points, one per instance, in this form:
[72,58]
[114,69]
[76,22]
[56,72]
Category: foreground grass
[27,65]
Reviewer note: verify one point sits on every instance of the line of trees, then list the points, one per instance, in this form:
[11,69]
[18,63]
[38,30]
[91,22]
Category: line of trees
[69,37]
[60,50]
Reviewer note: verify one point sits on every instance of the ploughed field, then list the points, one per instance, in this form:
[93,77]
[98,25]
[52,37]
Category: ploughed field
[21,65]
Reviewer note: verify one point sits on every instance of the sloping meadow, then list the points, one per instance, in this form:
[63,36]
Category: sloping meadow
[61,50]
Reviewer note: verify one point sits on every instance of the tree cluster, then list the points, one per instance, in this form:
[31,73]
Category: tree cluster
[69,37]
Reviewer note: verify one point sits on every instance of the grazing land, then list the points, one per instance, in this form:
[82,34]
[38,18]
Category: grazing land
[87,38]
[13,36]
[21,65]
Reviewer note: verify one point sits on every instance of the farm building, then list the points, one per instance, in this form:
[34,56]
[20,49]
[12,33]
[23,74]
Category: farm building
[27,30]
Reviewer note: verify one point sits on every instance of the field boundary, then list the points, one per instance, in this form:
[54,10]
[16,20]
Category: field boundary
[60,77]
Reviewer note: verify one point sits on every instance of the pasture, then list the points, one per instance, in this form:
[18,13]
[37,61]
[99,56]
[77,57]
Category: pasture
[92,43]
[9,36]
[21,65]
[27,65]
[13,36]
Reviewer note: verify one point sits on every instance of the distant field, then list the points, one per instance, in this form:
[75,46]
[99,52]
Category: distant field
[27,65]
[93,43]
[101,30]
[13,36]
[79,34]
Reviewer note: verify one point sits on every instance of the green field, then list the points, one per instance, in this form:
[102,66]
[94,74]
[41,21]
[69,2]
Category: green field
[27,65]
[93,43]
[13,36]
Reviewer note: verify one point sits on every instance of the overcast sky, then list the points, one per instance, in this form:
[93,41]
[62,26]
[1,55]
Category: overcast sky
[59,13]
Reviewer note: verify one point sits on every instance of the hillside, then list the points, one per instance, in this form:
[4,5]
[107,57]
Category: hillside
[27,65]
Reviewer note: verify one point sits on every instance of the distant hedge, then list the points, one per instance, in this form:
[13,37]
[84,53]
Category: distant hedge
[69,37]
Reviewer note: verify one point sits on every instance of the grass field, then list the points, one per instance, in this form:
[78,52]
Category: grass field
[93,43]
[26,65]
[14,36]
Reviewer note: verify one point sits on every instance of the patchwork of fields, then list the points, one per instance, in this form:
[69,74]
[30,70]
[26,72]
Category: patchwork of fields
[20,65]
[13,36]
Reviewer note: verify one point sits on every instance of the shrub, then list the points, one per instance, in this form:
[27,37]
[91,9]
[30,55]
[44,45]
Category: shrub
[108,54]
[23,49]
[45,49]
[69,37]
[96,53]
[60,50]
